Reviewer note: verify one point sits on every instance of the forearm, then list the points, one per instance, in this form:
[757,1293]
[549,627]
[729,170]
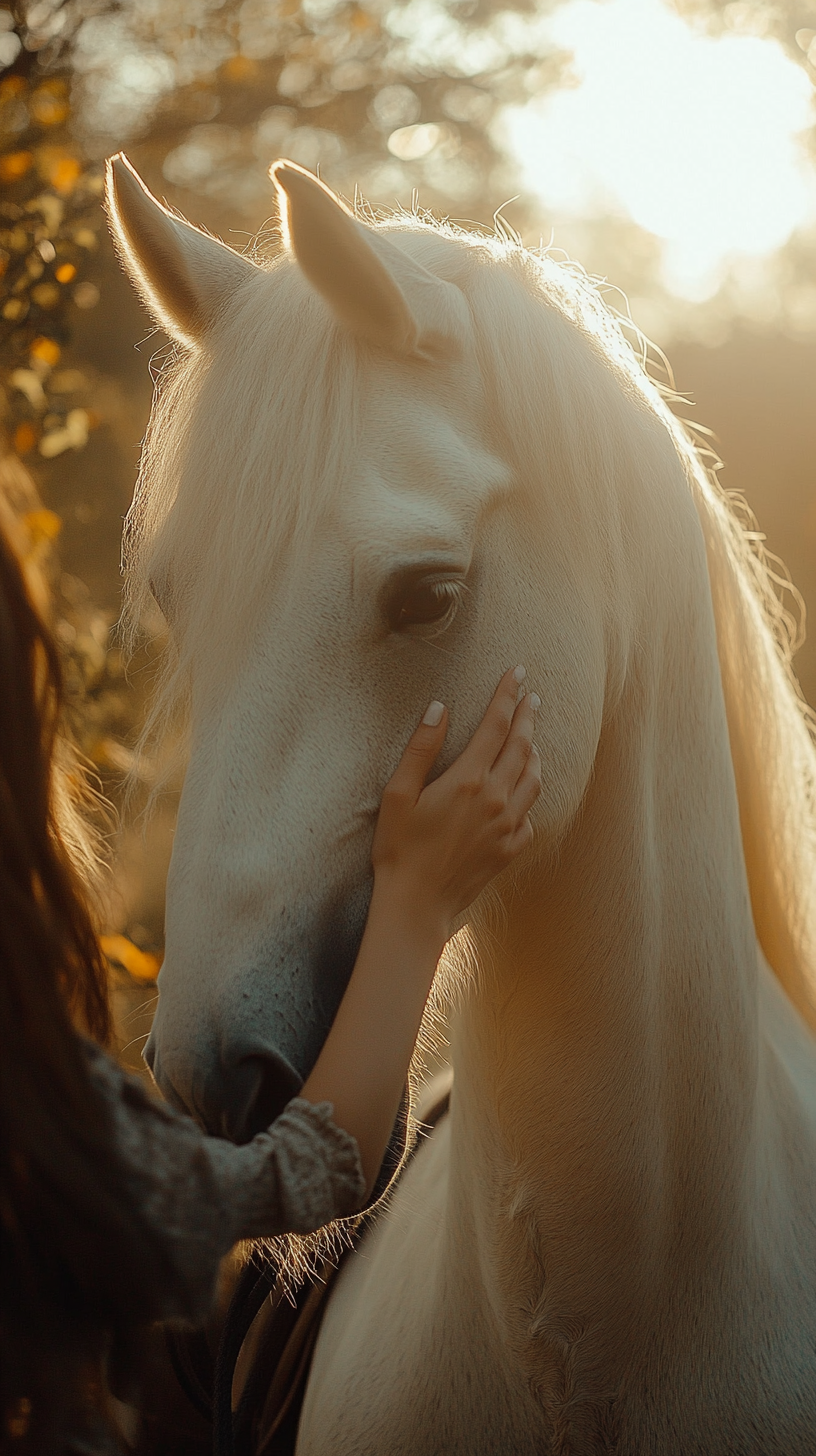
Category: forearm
[362,1067]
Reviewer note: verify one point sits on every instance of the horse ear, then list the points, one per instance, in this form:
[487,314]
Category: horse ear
[184,277]
[373,287]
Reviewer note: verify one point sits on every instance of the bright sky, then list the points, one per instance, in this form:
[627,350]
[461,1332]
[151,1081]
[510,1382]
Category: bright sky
[697,138]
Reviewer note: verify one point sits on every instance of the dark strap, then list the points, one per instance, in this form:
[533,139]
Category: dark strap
[269,1411]
[192,1362]
[256,1280]
[286,1380]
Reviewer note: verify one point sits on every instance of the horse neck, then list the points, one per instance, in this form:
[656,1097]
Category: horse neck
[606,1063]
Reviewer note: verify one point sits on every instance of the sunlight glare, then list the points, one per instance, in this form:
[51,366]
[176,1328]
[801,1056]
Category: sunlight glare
[695,137]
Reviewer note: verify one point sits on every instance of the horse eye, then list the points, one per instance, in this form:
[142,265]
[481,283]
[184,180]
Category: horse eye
[432,601]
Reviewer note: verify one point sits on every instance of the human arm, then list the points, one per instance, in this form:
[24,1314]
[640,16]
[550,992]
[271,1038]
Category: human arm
[435,848]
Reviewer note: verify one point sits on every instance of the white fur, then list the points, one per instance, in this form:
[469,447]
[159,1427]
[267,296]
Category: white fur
[611,1244]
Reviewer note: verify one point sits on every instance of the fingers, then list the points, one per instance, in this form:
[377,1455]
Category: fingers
[528,787]
[512,759]
[501,747]
[491,734]
[420,755]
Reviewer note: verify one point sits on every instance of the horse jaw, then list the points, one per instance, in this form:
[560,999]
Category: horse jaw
[184,277]
[374,289]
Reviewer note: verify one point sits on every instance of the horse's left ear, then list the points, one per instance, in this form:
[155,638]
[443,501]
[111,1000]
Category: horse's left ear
[184,277]
[373,287]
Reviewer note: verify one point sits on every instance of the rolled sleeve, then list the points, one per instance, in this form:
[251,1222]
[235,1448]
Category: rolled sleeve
[199,1195]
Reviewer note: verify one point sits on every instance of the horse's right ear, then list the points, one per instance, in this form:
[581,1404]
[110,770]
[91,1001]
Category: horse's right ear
[184,277]
[373,288]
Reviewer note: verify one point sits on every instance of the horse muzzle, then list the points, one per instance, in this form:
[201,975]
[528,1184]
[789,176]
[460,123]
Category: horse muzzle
[238,1098]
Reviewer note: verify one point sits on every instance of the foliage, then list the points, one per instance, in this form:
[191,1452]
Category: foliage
[217,86]
[49,217]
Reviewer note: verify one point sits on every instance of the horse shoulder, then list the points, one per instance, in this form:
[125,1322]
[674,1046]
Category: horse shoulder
[379,1316]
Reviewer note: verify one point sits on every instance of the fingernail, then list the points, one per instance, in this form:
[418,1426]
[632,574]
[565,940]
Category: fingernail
[519,673]
[433,714]
[535,701]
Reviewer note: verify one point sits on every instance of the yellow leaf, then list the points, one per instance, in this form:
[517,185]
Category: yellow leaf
[12,86]
[240,68]
[45,350]
[25,438]
[138,963]
[42,525]
[14,165]
[45,294]
[59,167]
[47,108]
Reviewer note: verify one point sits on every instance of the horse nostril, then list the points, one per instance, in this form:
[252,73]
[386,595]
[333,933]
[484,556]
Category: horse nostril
[256,1088]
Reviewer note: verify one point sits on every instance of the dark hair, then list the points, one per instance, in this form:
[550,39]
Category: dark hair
[47,941]
[75,1259]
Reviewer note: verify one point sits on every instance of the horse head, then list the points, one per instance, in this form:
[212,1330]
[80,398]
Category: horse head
[349,507]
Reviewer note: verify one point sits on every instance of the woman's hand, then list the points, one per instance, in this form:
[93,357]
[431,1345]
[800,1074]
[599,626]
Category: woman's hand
[436,847]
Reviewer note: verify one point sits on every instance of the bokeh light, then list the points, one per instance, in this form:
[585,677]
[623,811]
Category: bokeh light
[695,136]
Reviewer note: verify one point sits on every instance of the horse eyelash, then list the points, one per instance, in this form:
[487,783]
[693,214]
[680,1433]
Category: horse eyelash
[455,590]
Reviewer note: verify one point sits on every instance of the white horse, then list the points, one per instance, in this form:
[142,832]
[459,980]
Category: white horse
[383,466]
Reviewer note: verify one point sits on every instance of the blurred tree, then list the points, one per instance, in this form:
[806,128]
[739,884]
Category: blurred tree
[50,226]
[214,88]
[49,219]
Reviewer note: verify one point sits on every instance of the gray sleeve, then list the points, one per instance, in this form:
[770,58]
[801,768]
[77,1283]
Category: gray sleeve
[199,1195]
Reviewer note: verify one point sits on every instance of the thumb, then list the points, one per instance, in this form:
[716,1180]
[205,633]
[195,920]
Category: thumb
[421,751]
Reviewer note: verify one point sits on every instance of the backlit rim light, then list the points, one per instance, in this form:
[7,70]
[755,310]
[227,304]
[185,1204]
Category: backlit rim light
[697,138]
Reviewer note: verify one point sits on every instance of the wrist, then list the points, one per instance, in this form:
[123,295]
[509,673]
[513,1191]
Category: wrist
[409,913]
